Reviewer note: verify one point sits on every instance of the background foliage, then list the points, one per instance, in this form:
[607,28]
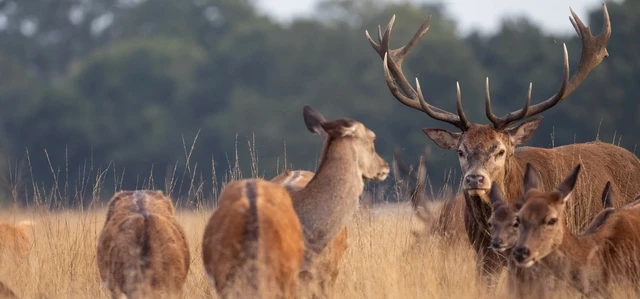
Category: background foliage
[127,85]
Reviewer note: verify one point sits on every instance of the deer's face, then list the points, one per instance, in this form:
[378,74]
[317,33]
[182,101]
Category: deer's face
[540,227]
[373,167]
[503,227]
[483,151]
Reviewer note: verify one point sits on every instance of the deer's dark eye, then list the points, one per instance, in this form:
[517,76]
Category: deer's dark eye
[490,225]
[552,221]
[460,153]
[516,224]
[501,153]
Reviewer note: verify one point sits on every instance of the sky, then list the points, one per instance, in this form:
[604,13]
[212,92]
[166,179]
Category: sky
[551,15]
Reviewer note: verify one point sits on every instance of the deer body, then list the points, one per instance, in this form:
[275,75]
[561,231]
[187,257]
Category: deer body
[329,261]
[327,203]
[252,245]
[142,249]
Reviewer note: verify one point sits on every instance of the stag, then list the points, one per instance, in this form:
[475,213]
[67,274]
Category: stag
[488,153]
[252,245]
[587,262]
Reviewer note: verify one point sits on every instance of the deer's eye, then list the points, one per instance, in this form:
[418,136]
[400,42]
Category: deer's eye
[516,224]
[490,225]
[501,153]
[552,221]
[460,153]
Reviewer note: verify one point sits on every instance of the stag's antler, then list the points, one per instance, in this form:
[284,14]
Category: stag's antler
[393,59]
[594,50]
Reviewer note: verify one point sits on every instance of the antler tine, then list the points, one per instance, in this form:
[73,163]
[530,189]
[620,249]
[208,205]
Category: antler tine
[460,121]
[392,61]
[463,118]
[487,105]
[593,52]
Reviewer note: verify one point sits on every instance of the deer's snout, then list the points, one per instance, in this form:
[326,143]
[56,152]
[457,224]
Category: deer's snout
[496,243]
[474,181]
[520,254]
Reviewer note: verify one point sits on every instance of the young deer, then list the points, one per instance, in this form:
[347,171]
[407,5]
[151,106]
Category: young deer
[328,266]
[588,262]
[489,153]
[504,229]
[142,249]
[327,203]
[252,245]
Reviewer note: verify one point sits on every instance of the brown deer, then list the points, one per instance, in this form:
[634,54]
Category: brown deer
[328,266]
[588,262]
[488,153]
[327,203]
[252,245]
[441,217]
[142,249]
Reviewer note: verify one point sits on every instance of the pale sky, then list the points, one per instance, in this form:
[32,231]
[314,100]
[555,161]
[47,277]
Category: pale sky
[551,15]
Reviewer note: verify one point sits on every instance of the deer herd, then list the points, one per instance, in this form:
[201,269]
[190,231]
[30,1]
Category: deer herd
[521,209]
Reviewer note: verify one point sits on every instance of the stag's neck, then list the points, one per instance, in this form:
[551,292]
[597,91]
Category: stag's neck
[330,199]
[512,184]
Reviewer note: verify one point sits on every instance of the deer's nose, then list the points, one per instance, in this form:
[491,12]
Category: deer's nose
[474,180]
[521,253]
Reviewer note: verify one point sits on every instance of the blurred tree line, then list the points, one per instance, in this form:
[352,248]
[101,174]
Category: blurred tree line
[144,89]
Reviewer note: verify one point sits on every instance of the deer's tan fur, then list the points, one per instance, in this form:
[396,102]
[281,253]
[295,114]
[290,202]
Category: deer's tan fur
[328,265]
[142,249]
[252,245]
[6,292]
[14,239]
[327,203]
[587,262]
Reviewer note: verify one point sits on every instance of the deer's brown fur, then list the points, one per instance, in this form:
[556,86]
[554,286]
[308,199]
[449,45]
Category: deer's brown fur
[328,265]
[327,203]
[587,262]
[142,249]
[488,153]
[252,245]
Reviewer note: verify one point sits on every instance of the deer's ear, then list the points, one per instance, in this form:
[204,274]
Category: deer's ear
[496,196]
[607,196]
[531,179]
[443,138]
[566,187]
[313,120]
[524,131]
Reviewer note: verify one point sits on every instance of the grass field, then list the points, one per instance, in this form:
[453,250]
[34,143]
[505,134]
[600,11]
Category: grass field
[382,261]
